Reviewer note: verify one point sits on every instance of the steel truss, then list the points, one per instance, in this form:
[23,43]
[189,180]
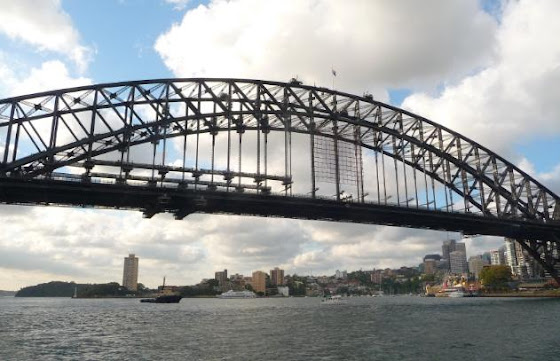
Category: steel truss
[43,134]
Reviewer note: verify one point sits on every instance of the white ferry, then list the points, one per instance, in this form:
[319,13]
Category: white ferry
[237,294]
[333,300]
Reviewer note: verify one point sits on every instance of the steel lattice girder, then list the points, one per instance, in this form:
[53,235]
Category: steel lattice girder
[486,181]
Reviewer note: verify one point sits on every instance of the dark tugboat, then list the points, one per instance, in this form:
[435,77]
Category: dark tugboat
[163,298]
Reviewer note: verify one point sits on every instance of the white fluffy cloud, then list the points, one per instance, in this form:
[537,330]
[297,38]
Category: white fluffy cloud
[44,25]
[371,44]
[550,178]
[50,75]
[515,99]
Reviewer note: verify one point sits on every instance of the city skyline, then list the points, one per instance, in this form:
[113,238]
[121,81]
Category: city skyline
[479,75]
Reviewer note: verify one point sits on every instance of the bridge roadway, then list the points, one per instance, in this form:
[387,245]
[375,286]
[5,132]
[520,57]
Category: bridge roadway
[182,202]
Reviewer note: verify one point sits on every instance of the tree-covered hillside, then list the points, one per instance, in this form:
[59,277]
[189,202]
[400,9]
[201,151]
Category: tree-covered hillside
[51,289]
[67,289]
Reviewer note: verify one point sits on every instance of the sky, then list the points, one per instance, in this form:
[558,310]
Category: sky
[488,69]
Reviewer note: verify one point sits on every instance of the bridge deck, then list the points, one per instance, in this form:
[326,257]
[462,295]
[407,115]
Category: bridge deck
[181,202]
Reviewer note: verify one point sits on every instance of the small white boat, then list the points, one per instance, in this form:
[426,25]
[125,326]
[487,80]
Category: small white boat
[333,300]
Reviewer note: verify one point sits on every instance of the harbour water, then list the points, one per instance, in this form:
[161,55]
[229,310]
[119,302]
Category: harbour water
[365,328]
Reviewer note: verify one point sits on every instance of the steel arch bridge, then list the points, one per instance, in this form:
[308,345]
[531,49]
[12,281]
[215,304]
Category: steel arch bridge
[265,148]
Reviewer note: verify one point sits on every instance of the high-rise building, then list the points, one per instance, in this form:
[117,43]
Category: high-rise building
[222,278]
[130,272]
[476,263]
[522,265]
[340,274]
[497,258]
[458,262]
[450,246]
[487,258]
[511,256]
[460,246]
[258,281]
[277,276]
[431,263]
[435,257]
[447,247]
[430,266]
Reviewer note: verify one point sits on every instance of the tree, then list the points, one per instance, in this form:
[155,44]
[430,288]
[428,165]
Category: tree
[429,277]
[360,276]
[141,289]
[212,283]
[51,289]
[495,277]
[342,290]
[297,285]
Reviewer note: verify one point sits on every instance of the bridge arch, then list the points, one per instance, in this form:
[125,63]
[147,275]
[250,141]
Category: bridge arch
[467,168]
[43,134]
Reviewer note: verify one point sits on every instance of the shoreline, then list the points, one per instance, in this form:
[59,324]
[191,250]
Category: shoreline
[521,295]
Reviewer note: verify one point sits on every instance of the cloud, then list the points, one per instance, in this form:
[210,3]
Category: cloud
[550,178]
[50,75]
[45,25]
[371,44]
[516,97]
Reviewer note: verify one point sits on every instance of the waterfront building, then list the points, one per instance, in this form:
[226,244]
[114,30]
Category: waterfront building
[277,276]
[259,281]
[222,278]
[237,282]
[458,262]
[526,266]
[376,276]
[130,272]
[247,281]
[431,263]
[511,256]
[340,274]
[476,263]
[523,261]
[430,266]
[284,291]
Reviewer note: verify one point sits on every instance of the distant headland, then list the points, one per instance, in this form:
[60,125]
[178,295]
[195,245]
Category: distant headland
[71,289]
